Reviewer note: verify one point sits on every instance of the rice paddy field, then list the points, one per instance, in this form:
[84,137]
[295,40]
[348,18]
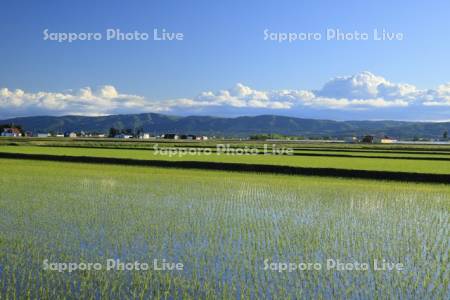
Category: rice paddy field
[421,163]
[234,233]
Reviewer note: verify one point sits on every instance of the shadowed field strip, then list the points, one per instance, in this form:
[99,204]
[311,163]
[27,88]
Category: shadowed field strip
[242,167]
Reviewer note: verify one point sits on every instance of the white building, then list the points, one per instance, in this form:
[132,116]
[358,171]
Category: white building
[388,141]
[144,136]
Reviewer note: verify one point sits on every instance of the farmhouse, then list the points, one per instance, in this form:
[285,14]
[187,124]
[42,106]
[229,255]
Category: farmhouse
[42,135]
[14,132]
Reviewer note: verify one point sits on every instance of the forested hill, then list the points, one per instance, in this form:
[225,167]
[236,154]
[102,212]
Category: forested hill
[239,127]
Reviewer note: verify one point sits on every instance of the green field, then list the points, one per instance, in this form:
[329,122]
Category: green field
[138,143]
[427,149]
[356,163]
[222,227]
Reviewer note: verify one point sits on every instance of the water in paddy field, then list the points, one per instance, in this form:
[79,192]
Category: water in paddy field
[233,233]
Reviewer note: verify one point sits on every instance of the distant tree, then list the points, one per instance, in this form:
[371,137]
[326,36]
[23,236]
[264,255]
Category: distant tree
[139,131]
[445,135]
[367,139]
[275,136]
[128,131]
[113,132]
[260,137]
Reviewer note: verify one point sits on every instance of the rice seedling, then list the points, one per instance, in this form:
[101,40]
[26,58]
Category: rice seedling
[223,227]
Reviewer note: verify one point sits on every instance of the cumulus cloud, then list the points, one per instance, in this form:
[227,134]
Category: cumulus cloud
[363,92]
[438,97]
[85,101]
[364,85]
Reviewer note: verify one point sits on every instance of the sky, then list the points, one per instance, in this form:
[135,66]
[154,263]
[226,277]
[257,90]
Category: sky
[231,60]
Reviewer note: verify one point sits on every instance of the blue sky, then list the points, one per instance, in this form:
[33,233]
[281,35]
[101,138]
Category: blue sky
[222,51]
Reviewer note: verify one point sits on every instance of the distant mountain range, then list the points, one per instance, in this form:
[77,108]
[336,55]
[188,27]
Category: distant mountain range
[231,127]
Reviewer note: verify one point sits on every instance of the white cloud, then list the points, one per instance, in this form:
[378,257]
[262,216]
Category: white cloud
[105,100]
[367,89]
[363,91]
[438,97]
